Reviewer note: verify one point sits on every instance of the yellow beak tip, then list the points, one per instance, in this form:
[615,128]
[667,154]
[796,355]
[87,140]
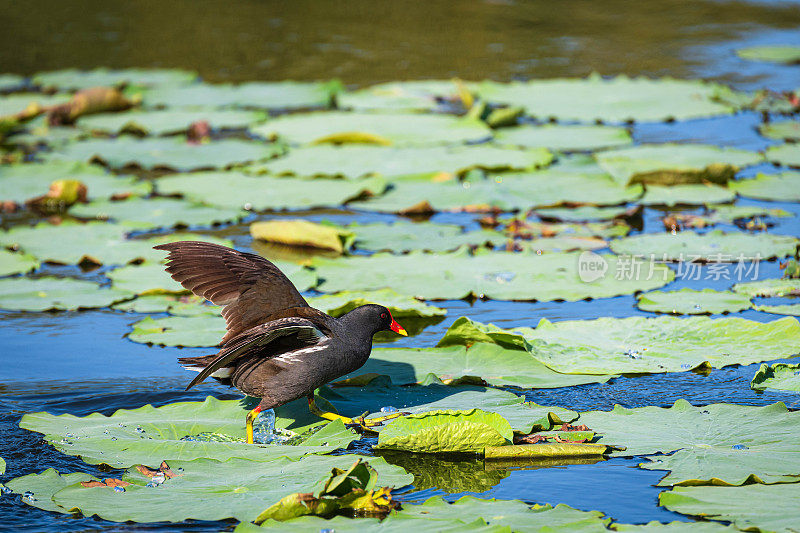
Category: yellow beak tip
[402,332]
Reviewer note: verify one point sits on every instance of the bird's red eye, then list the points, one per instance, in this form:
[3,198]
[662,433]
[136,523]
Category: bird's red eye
[383,315]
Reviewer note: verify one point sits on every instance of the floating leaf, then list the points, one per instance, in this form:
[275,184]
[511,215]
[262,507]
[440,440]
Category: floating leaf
[258,95]
[719,444]
[775,54]
[42,294]
[785,154]
[564,138]
[778,376]
[264,192]
[17,103]
[13,263]
[751,507]
[168,122]
[617,99]
[446,431]
[43,486]
[399,305]
[10,82]
[300,232]
[188,331]
[139,213]
[73,79]
[687,195]
[582,213]
[714,246]
[788,309]
[769,288]
[356,161]
[675,527]
[787,130]
[391,128]
[174,304]
[169,153]
[414,95]
[673,164]
[407,236]
[693,302]
[22,182]
[781,187]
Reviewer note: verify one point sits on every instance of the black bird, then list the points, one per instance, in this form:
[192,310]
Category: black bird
[276,347]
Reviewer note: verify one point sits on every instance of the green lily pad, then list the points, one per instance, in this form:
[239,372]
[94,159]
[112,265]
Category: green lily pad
[787,130]
[166,153]
[97,242]
[168,122]
[14,263]
[381,128]
[496,275]
[510,191]
[686,195]
[769,287]
[582,213]
[692,302]
[199,330]
[407,236]
[257,95]
[564,138]
[785,154]
[413,95]
[728,214]
[493,364]
[352,161]
[675,527]
[523,416]
[714,246]
[781,187]
[313,524]
[674,164]
[446,431]
[778,376]
[266,193]
[25,181]
[719,444]
[139,213]
[44,485]
[11,82]
[548,230]
[751,507]
[148,435]
[787,309]
[42,294]
[38,132]
[639,344]
[617,99]
[16,103]
[73,79]
[303,233]
[174,304]
[774,54]
[400,306]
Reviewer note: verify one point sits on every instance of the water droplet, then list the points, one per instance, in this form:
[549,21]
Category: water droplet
[326,530]
[179,469]
[740,447]
[158,478]
[4,490]
[264,429]
[139,429]
[28,495]
[151,485]
[105,432]
[686,366]
[633,353]
[500,277]
[389,409]
[119,489]
[113,438]
[697,307]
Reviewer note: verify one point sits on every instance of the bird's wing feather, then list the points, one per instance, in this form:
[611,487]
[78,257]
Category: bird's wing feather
[303,331]
[250,287]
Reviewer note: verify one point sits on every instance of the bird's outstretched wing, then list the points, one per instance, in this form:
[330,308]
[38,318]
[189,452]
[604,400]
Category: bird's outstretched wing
[251,288]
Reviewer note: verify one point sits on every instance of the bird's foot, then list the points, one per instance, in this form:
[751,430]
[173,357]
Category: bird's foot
[361,422]
[251,416]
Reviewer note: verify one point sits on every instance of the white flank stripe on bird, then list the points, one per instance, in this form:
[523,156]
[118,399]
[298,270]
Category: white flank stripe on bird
[221,373]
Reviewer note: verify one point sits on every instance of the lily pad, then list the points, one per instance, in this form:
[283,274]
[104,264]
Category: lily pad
[14,263]
[174,304]
[446,431]
[407,236]
[42,294]
[96,242]
[141,214]
[496,365]
[769,287]
[728,214]
[750,507]
[617,99]
[149,435]
[714,246]
[16,103]
[582,213]
[413,95]
[266,193]
[564,138]
[399,305]
[74,79]
[10,82]
[693,302]
[166,153]
[785,154]
[42,487]
[358,161]
[781,187]
[257,95]
[673,164]
[168,122]
[774,54]
[199,330]
[787,130]
[778,376]
[718,444]
[675,527]
[687,195]
[22,182]
[496,275]
[303,233]
[786,309]
[376,128]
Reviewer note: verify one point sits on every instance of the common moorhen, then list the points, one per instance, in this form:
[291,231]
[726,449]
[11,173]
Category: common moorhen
[276,347]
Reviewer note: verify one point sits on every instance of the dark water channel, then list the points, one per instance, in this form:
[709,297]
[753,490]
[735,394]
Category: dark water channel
[80,363]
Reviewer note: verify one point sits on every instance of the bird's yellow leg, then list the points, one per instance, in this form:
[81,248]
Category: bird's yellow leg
[378,420]
[251,416]
[327,415]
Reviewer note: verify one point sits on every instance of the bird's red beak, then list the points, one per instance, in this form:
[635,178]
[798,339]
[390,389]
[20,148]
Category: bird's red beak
[397,328]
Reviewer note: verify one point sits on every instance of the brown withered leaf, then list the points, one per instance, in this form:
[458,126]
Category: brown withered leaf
[87,102]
